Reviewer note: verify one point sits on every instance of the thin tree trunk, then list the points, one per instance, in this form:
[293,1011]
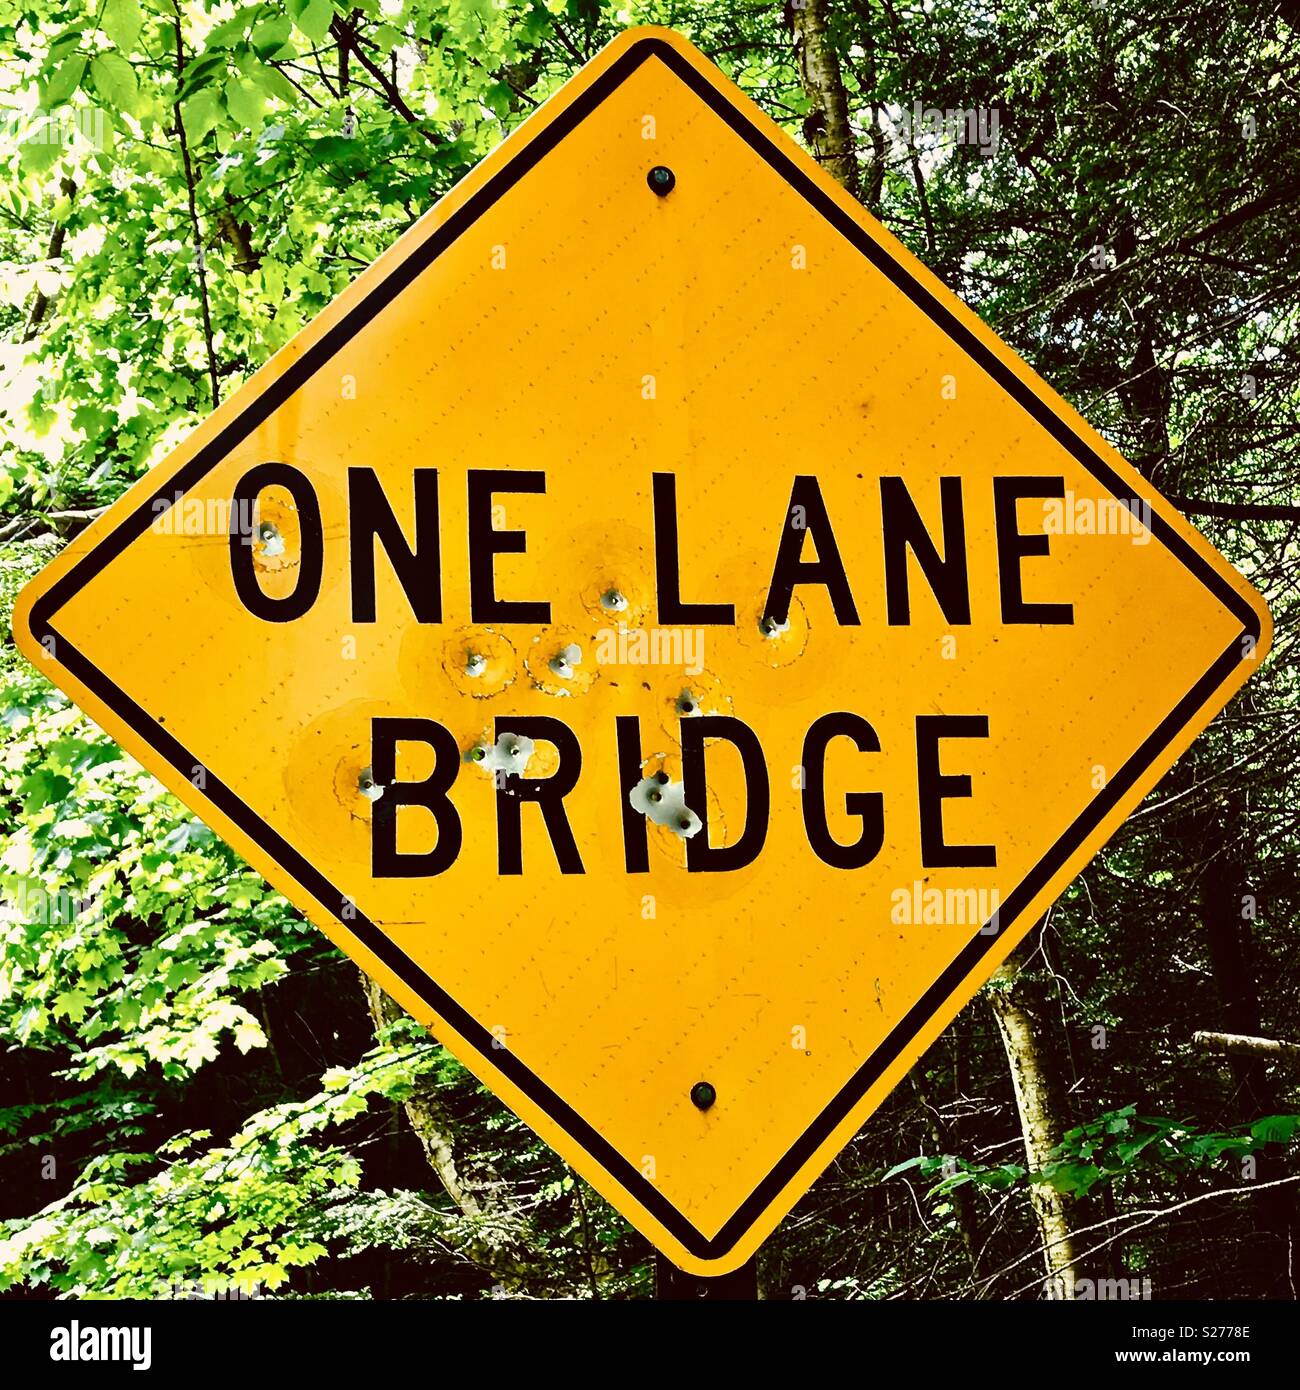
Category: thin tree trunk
[1224,897]
[479,1191]
[41,304]
[1030,1031]
[428,1118]
[200,264]
[963,1205]
[826,126]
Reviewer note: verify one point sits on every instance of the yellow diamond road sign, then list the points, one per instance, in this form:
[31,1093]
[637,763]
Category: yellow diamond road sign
[661,635]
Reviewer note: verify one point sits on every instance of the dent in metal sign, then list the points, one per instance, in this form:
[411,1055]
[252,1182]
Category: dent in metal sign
[660,634]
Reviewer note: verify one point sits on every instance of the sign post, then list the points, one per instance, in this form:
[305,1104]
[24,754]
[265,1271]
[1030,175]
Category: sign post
[662,635]
[673,1285]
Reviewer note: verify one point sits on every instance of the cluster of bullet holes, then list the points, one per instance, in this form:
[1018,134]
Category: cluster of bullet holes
[663,802]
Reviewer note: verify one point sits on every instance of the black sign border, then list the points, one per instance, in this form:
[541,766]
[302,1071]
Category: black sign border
[626,1174]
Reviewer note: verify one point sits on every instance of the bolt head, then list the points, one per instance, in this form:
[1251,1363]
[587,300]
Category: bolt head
[662,180]
[703,1095]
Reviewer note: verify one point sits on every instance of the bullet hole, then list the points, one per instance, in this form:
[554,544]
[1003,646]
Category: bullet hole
[663,802]
[662,180]
[477,661]
[563,662]
[687,703]
[769,627]
[272,540]
[367,786]
[703,1095]
[508,757]
[613,602]
[559,666]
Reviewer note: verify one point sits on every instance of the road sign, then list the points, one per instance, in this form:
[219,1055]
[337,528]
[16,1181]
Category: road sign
[662,635]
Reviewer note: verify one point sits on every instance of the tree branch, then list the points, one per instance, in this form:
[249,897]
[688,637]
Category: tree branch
[1240,1045]
[1237,511]
[347,39]
[41,304]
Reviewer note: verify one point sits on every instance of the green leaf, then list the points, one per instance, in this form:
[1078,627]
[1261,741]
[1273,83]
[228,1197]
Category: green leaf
[201,71]
[313,18]
[65,81]
[245,101]
[200,113]
[121,21]
[42,788]
[72,1003]
[114,80]
[39,151]
[1275,1129]
[1073,1179]
[903,1167]
[248,1035]
[274,83]
[272,35]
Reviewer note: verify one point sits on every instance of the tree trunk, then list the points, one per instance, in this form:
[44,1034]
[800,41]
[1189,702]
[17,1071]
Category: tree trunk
[1225,896]
[826,127]
[41,304]
[1022,1006]
[962,1199]
[428,1117]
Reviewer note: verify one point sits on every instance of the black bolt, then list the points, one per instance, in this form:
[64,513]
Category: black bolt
[703,1095]
[662,180]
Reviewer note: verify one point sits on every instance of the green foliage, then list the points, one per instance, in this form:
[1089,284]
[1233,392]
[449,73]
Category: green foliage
[1114,1146]
[230,1218]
